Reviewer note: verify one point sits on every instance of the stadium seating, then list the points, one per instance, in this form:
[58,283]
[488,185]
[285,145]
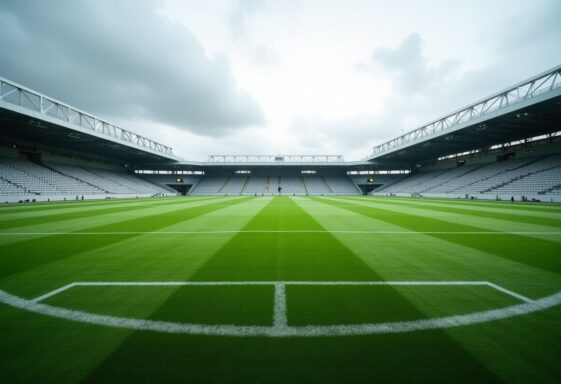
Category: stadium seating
[7,188]
[316,184]
[525,176]
[258,184]
[20,177]
[36,179]
[234,184]
[341,185]
[291,184]
[209,185]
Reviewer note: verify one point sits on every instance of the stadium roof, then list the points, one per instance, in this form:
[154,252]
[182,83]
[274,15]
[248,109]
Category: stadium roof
[528,109]
[30,116]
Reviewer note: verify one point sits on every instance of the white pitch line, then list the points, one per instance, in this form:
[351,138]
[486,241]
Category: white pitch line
[508,292]
[54,292]
[279,316]
[305,331]
[279,286]
[281,231]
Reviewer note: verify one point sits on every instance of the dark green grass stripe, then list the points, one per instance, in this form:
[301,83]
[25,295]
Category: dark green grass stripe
[534,252]
[430,356]
[518,205]
[54,208]
[45,206]
[478,213]
[425,357]
[81,214]
[33,253]
[284,256]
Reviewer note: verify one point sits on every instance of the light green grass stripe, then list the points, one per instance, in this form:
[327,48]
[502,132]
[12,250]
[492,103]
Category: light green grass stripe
[36,249]
[36,211]
[281,255]
[399,257]
[473,221]
[507,209]
[45,206]
[88,223]
[135,259]
[130,256]
[433,258]
[536,218]
[98,212]
[522,206]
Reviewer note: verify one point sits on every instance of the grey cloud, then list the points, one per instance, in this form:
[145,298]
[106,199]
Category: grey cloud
[122,59]
[409,66]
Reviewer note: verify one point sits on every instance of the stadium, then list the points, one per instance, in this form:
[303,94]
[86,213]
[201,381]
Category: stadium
[435,258]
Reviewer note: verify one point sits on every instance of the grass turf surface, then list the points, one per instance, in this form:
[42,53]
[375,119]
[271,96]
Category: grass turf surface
[44,247]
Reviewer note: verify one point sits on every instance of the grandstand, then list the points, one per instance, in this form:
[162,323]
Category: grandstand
[502,147]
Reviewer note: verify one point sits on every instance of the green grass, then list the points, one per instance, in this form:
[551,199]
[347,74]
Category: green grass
[47,246]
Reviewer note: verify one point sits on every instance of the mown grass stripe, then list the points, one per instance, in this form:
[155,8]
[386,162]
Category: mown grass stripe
[75,225]
[498,207]
[517,205]
[494,214]
[24,255]
[45,206]
[282,256]
[527,250]
[87,206]
[490,224]
[80,214]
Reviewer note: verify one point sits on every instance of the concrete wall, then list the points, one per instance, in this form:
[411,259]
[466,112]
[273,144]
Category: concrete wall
[480,196]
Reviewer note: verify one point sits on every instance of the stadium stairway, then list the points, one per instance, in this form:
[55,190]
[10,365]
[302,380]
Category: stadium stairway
[326,185]
[304,184]
[52,168]
[245,184]
[8,187]
[224,185]
[555,190]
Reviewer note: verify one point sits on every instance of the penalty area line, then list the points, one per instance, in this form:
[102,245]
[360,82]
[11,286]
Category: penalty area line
[53,292]
[280,295]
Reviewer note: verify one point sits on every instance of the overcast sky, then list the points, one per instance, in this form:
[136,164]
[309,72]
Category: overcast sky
[275,76]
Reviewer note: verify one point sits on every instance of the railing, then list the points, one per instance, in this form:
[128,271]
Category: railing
[15,94]
[275,159]
[526,90]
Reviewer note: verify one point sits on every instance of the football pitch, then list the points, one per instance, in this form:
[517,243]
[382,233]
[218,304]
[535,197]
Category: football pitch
[284,289]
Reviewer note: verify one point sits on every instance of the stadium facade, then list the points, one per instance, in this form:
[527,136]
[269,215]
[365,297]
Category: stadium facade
[506,146]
